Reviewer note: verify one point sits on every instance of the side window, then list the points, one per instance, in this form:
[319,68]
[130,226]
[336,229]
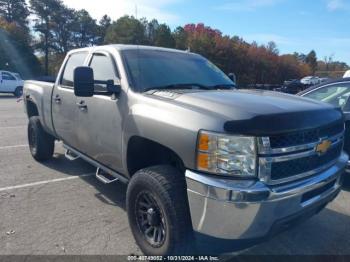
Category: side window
[336,94]
[74,61]
[103,70]
[7,76]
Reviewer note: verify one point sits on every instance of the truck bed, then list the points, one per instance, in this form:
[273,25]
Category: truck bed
[40,93]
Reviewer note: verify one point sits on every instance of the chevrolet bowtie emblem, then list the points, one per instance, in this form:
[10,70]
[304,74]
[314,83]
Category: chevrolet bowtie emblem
[323,147]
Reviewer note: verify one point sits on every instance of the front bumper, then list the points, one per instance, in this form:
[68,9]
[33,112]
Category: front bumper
[245,209]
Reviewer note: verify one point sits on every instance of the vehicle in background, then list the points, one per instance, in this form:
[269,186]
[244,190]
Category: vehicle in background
[18,76]
[197,154]
[11,83]
[310,80]
[292,86]
[336,93]
[324,79]
[347,74]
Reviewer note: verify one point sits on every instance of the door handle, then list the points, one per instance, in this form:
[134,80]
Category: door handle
[82,106]
[57,99]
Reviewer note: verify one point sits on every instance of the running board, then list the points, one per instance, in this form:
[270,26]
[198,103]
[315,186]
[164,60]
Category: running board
[102,176]
[106,169]
[70,155]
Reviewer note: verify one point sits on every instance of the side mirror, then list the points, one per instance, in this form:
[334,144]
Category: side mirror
[84,81]
[112,87]
[232,76]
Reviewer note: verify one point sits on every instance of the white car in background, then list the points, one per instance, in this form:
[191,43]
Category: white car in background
[11,83]
[347,74]
[310,80]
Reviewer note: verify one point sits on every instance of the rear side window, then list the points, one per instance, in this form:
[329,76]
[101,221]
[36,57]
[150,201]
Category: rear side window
[7,76]
[104,70]
[74,61]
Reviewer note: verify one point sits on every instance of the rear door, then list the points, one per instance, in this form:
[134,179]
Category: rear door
[100,121]
[64,108]
[9,82]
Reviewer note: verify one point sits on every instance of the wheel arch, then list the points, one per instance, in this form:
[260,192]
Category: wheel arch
[32,109]
[143,152]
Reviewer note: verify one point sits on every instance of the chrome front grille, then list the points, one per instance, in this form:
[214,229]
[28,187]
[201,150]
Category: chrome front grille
[298,160]
[284,169]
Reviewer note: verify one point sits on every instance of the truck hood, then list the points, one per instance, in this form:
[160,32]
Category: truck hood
[257,112]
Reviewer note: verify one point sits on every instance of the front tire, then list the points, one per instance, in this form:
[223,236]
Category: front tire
[158,211]
[41,144]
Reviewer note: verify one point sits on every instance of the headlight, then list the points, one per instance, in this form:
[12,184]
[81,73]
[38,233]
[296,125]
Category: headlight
[226,154]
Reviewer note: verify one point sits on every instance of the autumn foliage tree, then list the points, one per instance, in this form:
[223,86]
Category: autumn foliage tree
[252,63]
[59,29]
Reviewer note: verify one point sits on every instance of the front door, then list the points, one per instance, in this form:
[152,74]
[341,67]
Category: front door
[100,120]
[64,107]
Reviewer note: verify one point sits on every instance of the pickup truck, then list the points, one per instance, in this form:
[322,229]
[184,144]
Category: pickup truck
[199,157]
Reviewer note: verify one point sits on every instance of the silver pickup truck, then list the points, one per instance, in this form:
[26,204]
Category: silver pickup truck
[199,157]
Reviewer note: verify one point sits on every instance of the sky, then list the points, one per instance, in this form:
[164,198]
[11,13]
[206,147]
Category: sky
[295,25]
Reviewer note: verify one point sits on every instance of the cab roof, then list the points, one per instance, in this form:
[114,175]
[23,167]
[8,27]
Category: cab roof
[121,47]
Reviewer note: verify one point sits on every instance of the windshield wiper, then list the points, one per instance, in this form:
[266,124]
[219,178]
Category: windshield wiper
[222,86]
[178,86]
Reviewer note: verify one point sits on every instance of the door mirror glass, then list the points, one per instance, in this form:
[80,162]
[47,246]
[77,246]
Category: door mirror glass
[83,81]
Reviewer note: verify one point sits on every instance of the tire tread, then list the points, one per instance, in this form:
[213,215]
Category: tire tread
[172,189]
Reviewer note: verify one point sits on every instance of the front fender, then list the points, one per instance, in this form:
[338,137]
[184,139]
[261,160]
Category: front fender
[170,125]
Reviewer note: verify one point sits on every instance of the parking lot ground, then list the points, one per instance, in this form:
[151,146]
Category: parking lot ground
[60,208]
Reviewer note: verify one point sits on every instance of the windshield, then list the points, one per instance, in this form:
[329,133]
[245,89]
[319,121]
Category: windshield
[18,76]
[152,69]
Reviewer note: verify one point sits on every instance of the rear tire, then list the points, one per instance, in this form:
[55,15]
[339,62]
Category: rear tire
[158,211]
[18,92]
[41,144]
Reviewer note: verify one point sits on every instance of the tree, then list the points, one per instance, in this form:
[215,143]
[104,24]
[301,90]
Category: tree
[15,11]
[150,30]
[272,48]
[163,36]
[63,25]
[126,30]
[85,29]
[311,60]
[44,24]
[300,57]
[180,37]
[202,39]
[103,26]
[16,53]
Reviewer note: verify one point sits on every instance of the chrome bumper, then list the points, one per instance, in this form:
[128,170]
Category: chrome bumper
[245,209]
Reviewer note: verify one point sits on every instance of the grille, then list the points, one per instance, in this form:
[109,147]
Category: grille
[281,170]
[305,137]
